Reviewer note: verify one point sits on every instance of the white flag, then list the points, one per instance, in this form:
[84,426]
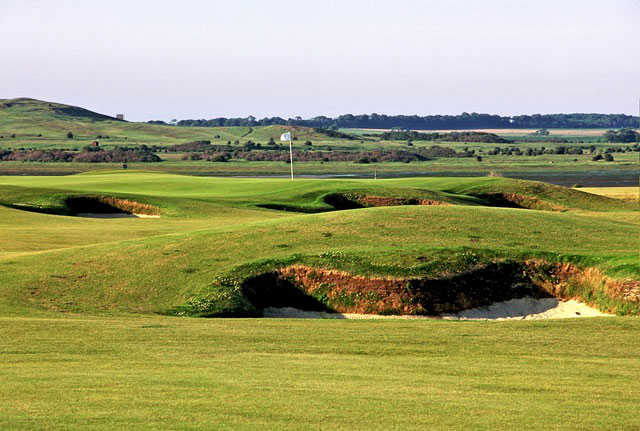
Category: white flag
[285,136]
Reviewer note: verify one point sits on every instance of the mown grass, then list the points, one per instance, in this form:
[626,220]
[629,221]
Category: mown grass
[209,226]
[82,344]
[159,372]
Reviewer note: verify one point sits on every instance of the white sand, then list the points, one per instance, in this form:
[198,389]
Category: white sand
[115,215]
[523,309]
[528,308]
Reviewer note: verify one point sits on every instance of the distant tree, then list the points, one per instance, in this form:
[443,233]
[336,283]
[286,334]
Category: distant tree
[69,135]
[608,157]
[623,135]
[479,158]
[541,132]
[596,157]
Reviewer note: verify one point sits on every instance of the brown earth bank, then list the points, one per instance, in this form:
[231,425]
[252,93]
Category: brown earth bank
[341,201]
[310,288]
[108,205]
[516,200]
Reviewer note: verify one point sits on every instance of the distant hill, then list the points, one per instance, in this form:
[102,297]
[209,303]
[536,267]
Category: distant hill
[34,108]
[32,123]
[42,123]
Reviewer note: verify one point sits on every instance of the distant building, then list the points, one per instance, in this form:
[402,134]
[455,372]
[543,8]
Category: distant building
[120,117]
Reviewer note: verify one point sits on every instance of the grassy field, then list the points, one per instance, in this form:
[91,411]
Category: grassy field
[84,348]
[96,373]
[564,170]
[89,333]
[30,124]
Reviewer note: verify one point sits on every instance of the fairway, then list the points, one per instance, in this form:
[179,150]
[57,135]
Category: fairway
[90,338]
[158,372]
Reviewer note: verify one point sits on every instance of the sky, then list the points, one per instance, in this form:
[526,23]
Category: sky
[209,58]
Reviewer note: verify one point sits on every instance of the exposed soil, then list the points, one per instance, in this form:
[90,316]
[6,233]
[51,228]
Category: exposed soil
[325,290]
[347,293]
[344,201]
[108,205]
[516,200]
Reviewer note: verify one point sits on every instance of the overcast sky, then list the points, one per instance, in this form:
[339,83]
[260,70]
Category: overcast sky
[207,58]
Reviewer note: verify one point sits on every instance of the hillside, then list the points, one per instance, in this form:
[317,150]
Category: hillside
[41,124]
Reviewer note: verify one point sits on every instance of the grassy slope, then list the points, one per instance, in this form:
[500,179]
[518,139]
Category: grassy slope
[28,118]
[160,373]
[211,225]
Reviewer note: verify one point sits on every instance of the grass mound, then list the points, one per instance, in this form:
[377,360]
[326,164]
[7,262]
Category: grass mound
[214,228]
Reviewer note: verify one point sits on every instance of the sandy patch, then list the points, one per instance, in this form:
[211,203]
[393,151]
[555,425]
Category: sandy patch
[522,309]
[116,215]
[528,309]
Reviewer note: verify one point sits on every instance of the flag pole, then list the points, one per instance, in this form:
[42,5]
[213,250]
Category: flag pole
[291,156]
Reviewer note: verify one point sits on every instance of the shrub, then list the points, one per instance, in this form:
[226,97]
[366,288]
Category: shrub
[69,135]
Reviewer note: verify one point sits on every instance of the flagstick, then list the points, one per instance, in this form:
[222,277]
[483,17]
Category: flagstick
[291,157]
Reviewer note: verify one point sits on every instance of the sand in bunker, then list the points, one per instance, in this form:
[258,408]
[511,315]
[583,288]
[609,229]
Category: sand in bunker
[115,215]
[521,309]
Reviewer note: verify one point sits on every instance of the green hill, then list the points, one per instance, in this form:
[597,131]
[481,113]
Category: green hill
[235,229]
[42,124]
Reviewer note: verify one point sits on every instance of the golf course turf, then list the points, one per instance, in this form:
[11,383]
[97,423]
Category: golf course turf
[93,333]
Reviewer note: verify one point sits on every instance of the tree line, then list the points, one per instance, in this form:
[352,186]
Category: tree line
[429,122]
